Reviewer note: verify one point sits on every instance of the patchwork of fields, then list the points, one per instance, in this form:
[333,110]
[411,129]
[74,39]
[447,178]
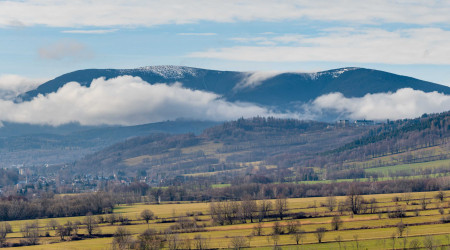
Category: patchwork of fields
[423,216]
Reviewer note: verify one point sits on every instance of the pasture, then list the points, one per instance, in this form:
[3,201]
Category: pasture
[422,215]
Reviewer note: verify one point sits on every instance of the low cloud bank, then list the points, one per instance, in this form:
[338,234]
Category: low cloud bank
[404,103]
[13,85]
[128,100]
[125,100]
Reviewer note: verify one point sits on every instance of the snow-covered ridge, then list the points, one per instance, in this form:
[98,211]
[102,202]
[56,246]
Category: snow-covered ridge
[166,71]
[335,73]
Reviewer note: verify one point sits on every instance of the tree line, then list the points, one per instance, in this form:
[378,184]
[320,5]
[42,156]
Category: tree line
[21,208]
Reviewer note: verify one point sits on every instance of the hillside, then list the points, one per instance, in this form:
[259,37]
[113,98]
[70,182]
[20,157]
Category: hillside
[38,145]
[275,150]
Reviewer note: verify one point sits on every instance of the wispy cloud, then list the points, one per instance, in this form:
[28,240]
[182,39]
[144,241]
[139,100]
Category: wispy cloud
[197,34]
[106,13]
[65,49]
[254,79]
[405,46]
[105,31]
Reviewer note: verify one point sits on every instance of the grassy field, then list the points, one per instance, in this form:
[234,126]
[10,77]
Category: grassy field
[410,167]
[360,231]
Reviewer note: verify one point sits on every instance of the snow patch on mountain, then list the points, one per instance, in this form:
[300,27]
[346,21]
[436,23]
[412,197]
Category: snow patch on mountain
[335,73]
[166,71]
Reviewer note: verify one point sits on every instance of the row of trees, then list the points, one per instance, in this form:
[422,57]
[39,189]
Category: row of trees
[19,208]
[150,239]
[230,212]
[243,190]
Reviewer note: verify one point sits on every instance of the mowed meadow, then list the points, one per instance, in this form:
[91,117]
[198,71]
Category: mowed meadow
[382,221]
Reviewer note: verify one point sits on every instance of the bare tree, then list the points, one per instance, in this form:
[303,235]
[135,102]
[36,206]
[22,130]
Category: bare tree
[414,244]
[100,219]
[5,228]
[91,224]
[239,242]
[275,238]
[424,202]
[249,209]
[122,238]
[277,228]
[111,219]
[336,222]
[320,233]
[64,230]
[354,200]
[281,207]
[338,239]
[373,207]
[342,207]
[331,203]
[393,239]
[298,236]
[429,242]
[147,215]
[292,226]
[407,198]
[61,231]
[356,240]
[400,228]
[76,225]
[440,196]
[52,224]
[149,240]
[30,231]
[257,229]
[217,213]
[264,209]
[200,242]
[173,241]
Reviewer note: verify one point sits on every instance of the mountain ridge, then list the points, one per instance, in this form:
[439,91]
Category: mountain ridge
[279,90]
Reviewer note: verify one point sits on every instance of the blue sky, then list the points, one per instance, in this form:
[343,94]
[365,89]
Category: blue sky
[43,39]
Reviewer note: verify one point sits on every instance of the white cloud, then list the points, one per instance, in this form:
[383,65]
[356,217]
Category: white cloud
[404,103]
[107,13]
[197,34]
[13,85]
[255,40]
[65,49]
[104,31]
[126,100]
[406,46]
[129,100]
[254,79]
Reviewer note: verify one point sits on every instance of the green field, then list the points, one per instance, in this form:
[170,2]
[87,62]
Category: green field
[372,231]
[409,167]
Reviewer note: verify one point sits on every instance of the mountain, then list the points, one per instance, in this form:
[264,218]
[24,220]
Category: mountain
[276,90]
[39,144]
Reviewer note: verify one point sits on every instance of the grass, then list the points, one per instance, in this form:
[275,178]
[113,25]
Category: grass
[221,185]
[372,232]
[395,159]
[409,167]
